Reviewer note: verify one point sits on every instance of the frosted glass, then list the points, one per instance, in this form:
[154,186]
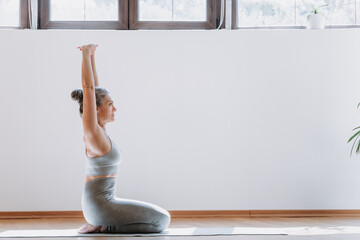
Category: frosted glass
[189,10]
[266,13]
[172,10]
[67,10]
[9,13]
[84,10]
[279,13]
[101,10]
[155,10]
[340,12]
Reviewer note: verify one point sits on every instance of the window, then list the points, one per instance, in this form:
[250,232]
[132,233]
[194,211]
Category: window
[127,14]
[84,14]
[293,13]
[172,14]
[13,13]
[84,10]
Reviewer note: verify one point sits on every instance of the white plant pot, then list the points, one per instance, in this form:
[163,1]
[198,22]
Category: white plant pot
[315,21]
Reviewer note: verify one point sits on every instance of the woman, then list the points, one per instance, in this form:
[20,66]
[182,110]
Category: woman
[103,211]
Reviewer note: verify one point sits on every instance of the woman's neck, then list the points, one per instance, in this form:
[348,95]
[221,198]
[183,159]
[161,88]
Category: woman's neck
[103,127]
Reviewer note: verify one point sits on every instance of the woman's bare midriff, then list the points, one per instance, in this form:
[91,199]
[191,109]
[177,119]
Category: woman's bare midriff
[89,178]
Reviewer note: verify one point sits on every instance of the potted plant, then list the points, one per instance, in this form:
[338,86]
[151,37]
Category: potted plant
[316,20]
[356,139]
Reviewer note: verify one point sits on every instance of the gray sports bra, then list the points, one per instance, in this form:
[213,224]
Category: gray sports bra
[106,164]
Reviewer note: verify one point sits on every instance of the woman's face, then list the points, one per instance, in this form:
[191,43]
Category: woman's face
[106,110]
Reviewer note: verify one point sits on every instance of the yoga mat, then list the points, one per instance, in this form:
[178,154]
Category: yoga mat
[190,231]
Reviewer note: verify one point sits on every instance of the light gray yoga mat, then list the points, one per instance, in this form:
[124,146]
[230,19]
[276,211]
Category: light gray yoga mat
[190,231]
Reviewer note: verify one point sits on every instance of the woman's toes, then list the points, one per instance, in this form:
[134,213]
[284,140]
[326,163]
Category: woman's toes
[83,228]
[103,229]
[88,228]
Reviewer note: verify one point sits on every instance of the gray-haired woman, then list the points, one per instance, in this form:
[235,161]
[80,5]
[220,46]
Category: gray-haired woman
[103,211]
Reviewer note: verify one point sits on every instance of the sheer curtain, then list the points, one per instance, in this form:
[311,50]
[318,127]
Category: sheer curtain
[33,13]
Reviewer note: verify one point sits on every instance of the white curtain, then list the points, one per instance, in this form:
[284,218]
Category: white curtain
[33,13]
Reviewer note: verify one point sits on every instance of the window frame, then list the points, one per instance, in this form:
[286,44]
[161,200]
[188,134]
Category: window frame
[210,23]
[45,23]
[24,14]
[234,14]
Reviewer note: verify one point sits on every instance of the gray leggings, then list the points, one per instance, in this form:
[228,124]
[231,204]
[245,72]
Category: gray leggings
[102,208]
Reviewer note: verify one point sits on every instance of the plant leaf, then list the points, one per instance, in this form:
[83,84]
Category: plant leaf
[314,9]
[356,128]
[323,5]
[354,144]
[358,148]
[357,133]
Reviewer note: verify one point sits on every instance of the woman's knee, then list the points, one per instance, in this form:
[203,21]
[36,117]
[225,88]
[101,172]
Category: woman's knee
[162,222]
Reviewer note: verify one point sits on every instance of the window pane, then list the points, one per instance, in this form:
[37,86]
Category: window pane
[84,10]
[10,13]
[338,12]
[189,10]
[101,10]
[172,10]
[253,13]
[155,10]
[67,10]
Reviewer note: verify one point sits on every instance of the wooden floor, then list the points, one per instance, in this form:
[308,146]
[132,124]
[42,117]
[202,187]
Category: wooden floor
[350,227]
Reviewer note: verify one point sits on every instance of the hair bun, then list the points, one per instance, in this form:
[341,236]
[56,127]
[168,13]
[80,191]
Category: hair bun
[77,95]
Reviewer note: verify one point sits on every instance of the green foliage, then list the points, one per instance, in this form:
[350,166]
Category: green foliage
[356,139]
[316,9]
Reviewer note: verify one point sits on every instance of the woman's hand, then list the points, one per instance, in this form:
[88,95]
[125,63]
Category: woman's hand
[89,48]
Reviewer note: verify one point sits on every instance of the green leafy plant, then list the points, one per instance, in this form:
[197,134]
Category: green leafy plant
[316,9]
[355,137]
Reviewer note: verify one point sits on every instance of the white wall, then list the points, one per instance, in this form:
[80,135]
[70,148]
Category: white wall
[206,120]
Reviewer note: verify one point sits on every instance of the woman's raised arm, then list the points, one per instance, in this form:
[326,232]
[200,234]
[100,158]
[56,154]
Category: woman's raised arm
[96,80]
[90,124]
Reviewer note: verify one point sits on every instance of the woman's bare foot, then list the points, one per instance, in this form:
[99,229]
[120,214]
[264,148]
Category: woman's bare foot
[89,48]
[88,228]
